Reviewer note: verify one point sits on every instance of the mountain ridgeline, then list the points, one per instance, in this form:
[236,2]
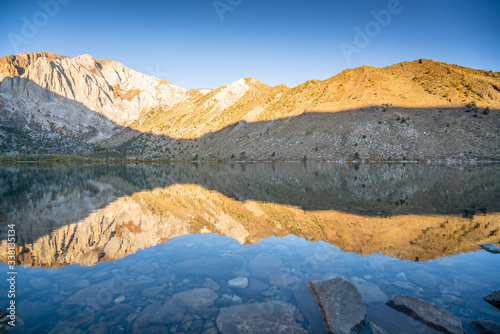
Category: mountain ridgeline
[409,111]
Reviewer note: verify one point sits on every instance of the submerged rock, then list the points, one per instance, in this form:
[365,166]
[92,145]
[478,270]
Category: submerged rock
[142,320]
[272,317]
[4,321]
[238,283]
[341,305]
[95,295]
[485,327]
[284,280]
[370,292]
[170,313]
[492,248]
[376,329]
[255,286]
[196,299]
[427,313]
[152,291]
[493,299]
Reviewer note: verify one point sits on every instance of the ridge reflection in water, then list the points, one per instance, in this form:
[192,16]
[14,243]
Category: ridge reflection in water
[99,216]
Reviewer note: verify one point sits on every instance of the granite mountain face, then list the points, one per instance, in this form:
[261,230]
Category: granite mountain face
[82,93]
[413,110]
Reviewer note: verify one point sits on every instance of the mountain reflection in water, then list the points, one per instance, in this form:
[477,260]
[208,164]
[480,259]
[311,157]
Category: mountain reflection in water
[89,214]
[153,248]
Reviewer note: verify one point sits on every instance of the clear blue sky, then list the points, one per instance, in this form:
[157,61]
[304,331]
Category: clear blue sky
[276,41]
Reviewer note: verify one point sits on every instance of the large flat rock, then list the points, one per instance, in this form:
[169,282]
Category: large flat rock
[492,248]
[493,299]
[427,313]
[196,300]
[370,292]
[96,295]
[341,305]
[485,327]
[171,312]
[271,317]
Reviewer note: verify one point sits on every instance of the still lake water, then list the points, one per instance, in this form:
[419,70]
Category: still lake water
[151,248]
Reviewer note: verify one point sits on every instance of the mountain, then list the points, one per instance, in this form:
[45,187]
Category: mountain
[411,110]
[83,94]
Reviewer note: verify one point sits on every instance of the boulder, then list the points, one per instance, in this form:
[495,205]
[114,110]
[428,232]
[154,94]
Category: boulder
[427,313]
[493,299]
[485,327]
[95,295]
[171,312]
[142,320]
[341,305]
[271,317]
[492,248]
[196,299]
[255,286]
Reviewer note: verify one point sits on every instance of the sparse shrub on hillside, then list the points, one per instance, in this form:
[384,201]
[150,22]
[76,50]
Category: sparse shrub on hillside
[304,158]
[472,107]
[233,156]
[195,158]
[486,111]
[469,214]
[356,155]
[273,154]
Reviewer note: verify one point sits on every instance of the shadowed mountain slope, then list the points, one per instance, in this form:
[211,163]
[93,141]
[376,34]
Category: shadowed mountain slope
[413,110]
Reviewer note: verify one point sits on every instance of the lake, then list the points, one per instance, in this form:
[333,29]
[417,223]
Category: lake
[200,247]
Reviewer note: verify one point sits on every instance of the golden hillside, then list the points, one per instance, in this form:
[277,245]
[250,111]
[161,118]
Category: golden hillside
[418,84]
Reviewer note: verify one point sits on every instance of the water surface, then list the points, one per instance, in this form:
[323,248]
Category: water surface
[102,248]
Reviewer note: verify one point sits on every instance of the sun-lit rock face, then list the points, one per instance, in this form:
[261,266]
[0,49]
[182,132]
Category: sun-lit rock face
[81,93]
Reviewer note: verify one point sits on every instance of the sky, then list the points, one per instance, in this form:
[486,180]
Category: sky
[211,43]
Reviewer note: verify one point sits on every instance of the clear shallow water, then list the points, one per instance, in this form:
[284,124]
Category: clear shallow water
[102,248]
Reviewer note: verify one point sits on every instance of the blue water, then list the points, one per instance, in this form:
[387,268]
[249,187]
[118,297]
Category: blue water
[67,283]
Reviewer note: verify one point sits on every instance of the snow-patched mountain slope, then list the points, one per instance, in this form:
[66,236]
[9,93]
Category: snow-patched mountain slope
[81,93]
